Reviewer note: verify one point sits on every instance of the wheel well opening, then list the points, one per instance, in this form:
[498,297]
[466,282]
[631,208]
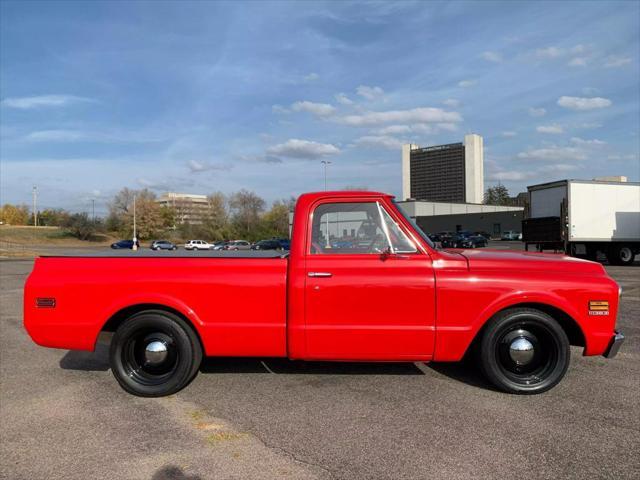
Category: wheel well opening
[568,324]
[116,319]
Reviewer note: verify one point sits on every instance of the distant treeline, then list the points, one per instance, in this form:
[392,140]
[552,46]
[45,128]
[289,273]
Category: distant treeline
[241,215]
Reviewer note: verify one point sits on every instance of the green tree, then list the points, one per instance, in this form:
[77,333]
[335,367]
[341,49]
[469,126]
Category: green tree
[14,214]
[215,225]
[246,207]
[149,218]
[80,226]
[275,222]
[497,195]
[49,217]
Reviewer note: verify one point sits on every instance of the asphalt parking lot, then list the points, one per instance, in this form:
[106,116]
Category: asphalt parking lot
[62,415]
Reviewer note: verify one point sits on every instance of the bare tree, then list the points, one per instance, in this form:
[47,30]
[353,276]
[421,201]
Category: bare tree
[246,208]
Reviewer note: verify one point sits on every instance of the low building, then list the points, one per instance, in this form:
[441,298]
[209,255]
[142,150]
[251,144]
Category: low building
[189,208]
[433,217]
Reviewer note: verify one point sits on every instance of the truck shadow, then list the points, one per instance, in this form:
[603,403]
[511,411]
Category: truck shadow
[464,372]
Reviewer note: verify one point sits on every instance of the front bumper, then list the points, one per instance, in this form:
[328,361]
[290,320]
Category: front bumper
[614,345]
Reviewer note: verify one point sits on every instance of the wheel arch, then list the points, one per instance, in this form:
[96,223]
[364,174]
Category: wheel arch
[570,326]
[117,318]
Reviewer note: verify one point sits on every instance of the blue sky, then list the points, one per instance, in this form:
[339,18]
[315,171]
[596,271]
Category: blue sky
[206,96]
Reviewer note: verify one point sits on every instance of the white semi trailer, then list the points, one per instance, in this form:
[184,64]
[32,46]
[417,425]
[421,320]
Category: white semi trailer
[584,217]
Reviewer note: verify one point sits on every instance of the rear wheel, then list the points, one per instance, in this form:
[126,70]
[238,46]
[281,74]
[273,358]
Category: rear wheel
[620,255]
[154,353]
[524,351]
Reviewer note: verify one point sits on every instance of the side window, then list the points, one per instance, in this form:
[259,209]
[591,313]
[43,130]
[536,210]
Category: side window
[347,228]
[356,228]
[399,241]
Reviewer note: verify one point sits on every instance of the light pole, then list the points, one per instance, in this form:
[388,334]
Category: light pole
[35,206]
[135,235]
[326,163]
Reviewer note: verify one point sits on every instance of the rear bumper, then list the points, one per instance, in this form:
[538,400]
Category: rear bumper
[614,345]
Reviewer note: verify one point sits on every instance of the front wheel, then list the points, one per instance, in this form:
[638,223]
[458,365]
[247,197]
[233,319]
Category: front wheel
[524,351]
[154,353]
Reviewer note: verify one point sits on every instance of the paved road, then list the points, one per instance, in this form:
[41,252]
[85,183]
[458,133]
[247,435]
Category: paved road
[63,416]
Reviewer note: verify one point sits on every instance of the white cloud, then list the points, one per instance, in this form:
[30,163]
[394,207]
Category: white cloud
[466,83]
[594,142]
[370,93]
[196,166]
[26,103]
[508,133]
[319,109]
[342,99]
[55,136]
[537,112]
[589,125]
[312,77]
[303,149]
[553,154]
[379,141]
[578,62]
[394,130]
[451,102]
[511,176]
[415,115]
[557,52]
[553,129]
[549,52]
[279,109]
[492,57]
[583,103]
[614,61]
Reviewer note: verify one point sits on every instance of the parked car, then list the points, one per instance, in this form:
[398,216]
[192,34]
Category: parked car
[454,241]
[474,241]
[197,245]
[123,244]
[285,243]
[163,245]
[511,235]
[518,312]
[237,245]
[219,245]
[486,235]
[267,245]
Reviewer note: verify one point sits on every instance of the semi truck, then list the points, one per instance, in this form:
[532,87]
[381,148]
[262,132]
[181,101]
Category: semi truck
[361,282]
[583,218]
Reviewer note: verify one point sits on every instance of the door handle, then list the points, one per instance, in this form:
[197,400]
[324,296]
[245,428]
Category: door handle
[319,274]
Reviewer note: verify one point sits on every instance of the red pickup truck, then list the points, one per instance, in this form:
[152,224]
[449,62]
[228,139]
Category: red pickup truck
[361,283]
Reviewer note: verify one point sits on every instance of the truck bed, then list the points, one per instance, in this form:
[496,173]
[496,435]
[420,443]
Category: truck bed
[237,300]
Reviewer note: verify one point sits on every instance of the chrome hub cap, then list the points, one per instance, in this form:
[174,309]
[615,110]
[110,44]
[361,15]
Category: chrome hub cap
[521,351]
[155,352]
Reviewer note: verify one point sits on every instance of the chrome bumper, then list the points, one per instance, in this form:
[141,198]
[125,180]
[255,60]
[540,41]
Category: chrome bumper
[614,345]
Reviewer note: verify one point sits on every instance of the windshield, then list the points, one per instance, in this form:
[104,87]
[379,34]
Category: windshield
[415,226]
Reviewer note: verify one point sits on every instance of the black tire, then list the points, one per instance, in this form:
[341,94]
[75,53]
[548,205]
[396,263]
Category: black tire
[620,255]
[141,376]
[524,370]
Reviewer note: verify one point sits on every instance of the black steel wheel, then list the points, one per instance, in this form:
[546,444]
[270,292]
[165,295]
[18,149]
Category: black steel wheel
[154,353]
[525,351]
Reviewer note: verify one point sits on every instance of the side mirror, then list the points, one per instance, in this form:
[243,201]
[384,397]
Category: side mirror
[386,253]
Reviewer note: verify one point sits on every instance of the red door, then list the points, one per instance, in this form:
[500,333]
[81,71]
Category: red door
[364,300]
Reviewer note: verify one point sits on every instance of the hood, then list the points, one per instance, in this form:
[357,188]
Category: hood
[549,262]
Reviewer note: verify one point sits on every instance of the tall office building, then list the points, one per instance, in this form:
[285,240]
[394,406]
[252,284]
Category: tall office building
[444,173]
